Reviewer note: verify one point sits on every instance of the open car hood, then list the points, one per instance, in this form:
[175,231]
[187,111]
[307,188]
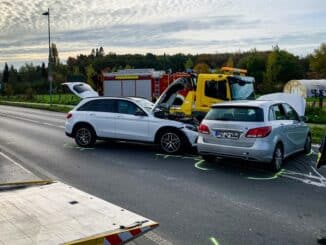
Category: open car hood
[294,100]
[82,90]
[173,94]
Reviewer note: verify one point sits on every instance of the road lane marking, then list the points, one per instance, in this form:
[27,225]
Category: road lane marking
[313,178]
[14,162]
[31,120]
[154,237]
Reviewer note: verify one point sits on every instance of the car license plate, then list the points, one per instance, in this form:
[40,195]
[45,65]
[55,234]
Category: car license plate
[227,134]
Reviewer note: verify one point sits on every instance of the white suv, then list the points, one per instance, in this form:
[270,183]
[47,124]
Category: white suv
[126,119]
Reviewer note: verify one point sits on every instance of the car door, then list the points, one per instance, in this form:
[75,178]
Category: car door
[297,129]
[132,122]
[281,126]
[101,113]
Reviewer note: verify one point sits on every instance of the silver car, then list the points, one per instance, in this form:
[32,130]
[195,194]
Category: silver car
[264,131]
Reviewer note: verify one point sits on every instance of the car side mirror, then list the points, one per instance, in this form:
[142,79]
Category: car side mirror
[303,118]
[140,113]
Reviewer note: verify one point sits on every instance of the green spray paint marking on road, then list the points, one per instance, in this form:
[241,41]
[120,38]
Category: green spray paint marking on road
[197,165]
[275,176]
[214,240]
[310,153]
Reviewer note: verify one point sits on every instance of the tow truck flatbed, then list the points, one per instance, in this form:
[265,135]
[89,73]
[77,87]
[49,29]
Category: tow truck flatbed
[55,213]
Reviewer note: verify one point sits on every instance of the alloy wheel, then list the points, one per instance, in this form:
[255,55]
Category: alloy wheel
[83,136]
[170,142]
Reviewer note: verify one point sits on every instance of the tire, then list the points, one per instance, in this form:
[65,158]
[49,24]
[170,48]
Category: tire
[171,141]
[85,136]
[278,157]
[208,158]
[307,145]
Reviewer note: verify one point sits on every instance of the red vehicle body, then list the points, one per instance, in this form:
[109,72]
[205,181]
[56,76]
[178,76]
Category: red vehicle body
[146,83]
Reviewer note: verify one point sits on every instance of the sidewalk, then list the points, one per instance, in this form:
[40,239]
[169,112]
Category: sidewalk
[12,172]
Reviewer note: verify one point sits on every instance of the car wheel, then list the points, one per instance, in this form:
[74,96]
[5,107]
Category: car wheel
[208,158]
[307,145]
[277,161]
[171,141]
[85,136]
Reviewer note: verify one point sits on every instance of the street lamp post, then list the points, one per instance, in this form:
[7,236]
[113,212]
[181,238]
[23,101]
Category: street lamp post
[50,63]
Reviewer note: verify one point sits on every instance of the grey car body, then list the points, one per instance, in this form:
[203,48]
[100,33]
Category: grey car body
[228,136]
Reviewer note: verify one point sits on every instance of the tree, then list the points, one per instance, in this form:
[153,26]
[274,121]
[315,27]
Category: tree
[93,53]
[101,52]
[8,90]
[230,62]
[189,64]
[90,72]
[318,61]
[201,68]
[54,54]
[255,63]
[280,68]
[5,75]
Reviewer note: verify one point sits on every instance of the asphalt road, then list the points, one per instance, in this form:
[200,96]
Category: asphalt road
[226,202]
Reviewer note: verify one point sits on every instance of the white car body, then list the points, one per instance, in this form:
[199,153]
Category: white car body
[144,127]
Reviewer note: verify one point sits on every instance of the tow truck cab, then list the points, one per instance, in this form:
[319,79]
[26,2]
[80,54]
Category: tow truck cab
[195,95]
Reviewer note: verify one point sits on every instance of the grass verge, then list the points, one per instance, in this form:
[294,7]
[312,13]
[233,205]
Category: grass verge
[56,108]
[317,132]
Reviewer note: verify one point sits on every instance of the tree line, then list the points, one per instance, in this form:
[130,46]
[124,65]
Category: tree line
[271,69]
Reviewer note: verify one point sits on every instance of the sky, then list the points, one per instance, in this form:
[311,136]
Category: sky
[158,26]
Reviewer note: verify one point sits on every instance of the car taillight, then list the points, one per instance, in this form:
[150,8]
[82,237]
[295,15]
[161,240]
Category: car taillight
[259,132]
[69,115]
[203,129]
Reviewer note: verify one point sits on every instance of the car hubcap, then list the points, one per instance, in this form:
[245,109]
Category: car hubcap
[83,136]
[278,158]
[170,142]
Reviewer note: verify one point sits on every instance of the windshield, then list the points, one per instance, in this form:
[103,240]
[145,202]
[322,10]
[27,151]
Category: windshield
[236,113]
[242,88]
[81,88]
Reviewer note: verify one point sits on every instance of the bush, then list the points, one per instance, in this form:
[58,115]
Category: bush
[316,115]
[29,93]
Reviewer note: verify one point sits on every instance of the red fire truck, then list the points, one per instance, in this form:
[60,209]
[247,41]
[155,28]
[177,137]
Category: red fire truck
[146,83]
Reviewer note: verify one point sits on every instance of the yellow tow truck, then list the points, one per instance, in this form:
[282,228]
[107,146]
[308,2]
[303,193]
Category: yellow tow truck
[192,97]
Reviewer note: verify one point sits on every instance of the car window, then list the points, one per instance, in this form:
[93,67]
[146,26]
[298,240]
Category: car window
[236,113]
[127,107]
[276,112]
[290,113]
[215,89]
[99,105]
[80,88]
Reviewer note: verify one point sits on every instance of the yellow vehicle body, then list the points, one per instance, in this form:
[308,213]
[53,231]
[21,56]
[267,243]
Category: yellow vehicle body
[197,100]
[193,97]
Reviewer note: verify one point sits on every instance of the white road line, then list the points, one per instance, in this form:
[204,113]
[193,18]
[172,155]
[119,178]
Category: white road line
[14,162]
[31,120]
[154,237]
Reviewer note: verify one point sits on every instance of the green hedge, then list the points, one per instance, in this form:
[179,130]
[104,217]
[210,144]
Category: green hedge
[57,108]
[62,99]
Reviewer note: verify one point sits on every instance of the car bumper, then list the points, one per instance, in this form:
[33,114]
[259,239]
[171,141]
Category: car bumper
[260,151]
[192,136]
[68,129]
